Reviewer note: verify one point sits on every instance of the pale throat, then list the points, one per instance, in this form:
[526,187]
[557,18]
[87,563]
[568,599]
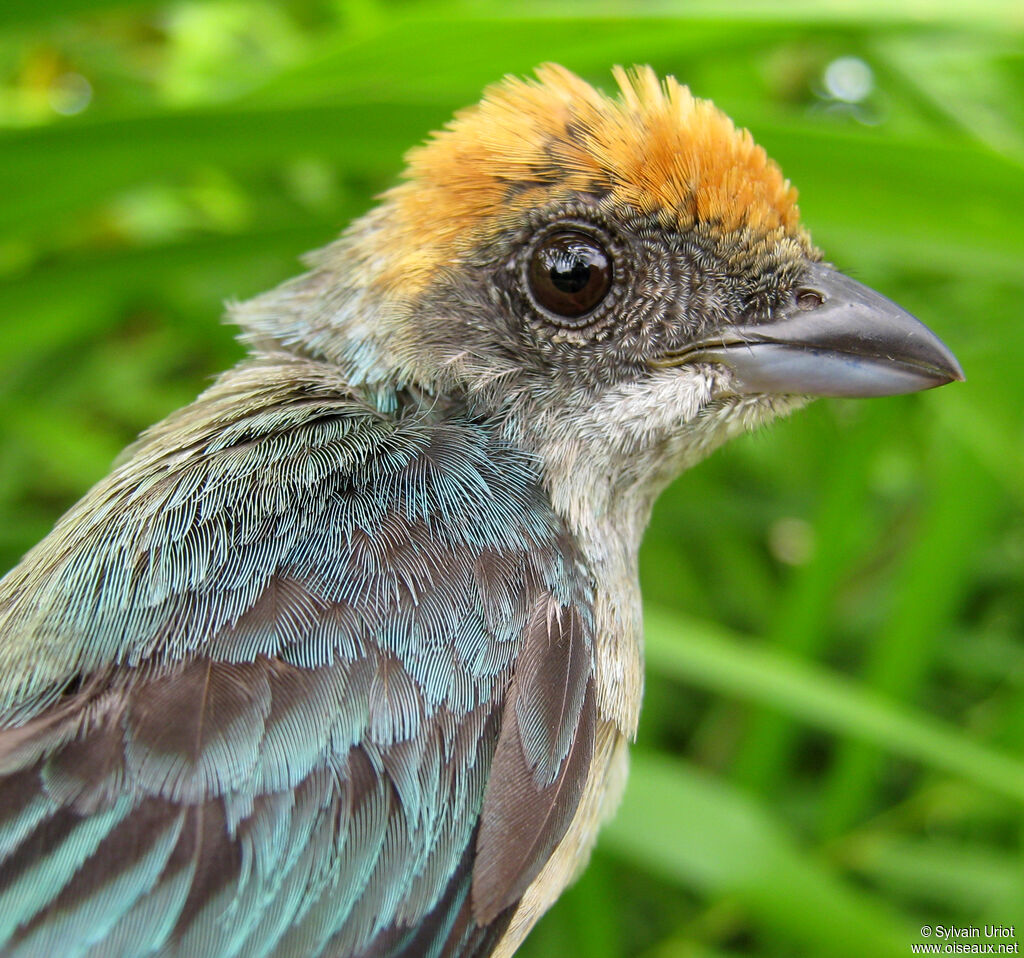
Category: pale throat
[603,465]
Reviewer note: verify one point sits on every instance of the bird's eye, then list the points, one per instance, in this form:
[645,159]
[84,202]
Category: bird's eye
[569,273]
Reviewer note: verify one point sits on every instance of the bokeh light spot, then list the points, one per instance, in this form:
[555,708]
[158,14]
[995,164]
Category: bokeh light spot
[849,79]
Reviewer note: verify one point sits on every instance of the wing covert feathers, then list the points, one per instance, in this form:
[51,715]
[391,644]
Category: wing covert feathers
[291,682]
[542,759]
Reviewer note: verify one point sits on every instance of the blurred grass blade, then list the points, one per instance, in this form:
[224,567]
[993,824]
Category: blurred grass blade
[83,162]
[992,431]
[707,656]
[908,212]
[933,581]
[688,827]
[456,58]
[78,299]
[949,874]
[15,13]
[801,617]
[795,13]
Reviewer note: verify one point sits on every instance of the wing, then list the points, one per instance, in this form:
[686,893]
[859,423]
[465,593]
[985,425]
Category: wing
[299,678]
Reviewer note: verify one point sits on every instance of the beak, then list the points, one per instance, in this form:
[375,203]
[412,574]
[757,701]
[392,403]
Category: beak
[839,338]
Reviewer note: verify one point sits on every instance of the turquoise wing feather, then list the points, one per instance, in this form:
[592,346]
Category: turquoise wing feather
[286,683]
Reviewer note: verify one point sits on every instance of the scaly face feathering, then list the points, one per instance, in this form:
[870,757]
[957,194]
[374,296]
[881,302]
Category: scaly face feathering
[342,659]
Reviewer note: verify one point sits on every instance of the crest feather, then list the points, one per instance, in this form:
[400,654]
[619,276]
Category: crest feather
[655,149]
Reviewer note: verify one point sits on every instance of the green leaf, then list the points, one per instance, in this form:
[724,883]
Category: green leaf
[78,298]
[936,870]
[85,161]
[708,656]
[700,832]
[876,199]
[17,13]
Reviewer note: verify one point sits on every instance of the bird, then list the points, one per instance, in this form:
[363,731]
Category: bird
[344,658]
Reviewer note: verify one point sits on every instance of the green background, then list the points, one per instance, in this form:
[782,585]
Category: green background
[831,748]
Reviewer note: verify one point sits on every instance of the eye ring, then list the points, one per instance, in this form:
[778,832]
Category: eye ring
[568,274]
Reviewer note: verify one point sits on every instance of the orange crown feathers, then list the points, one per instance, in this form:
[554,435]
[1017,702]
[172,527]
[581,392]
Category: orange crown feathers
[657,149]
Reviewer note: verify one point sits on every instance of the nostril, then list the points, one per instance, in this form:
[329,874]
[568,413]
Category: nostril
[808,299]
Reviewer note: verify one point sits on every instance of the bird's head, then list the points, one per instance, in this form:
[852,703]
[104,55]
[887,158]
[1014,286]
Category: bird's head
[626,281]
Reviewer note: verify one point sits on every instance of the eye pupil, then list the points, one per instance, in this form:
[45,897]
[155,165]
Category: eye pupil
[571,276]
[569,273]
